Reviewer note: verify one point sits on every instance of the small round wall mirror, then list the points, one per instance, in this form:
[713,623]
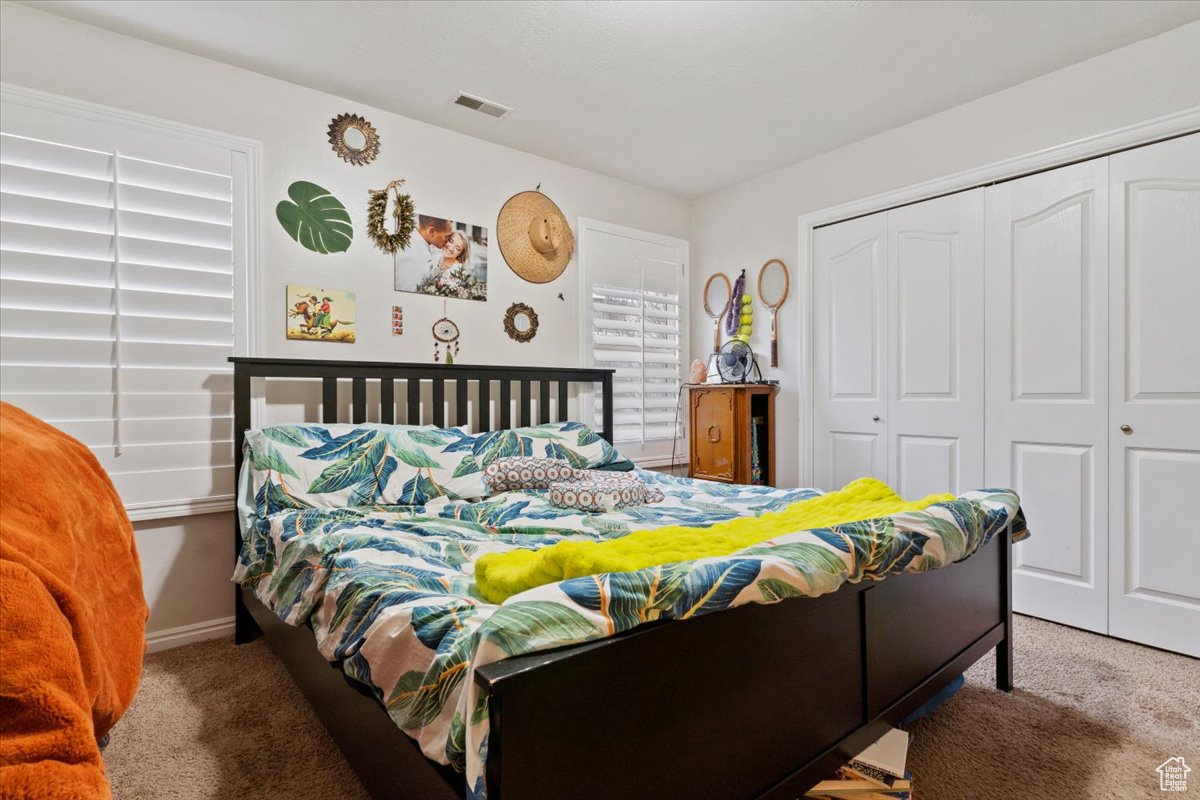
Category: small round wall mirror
[520,322]
[354,139]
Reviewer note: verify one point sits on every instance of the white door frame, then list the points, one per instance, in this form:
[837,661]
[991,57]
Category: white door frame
[1187,121]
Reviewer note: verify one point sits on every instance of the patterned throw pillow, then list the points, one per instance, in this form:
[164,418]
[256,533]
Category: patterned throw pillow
[336,466]
[573,442]
[514,473]
[600,491]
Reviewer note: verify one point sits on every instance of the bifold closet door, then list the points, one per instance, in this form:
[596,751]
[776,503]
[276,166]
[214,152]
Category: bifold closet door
[1154,411]
[1047,383]
[934,422]
[849,330]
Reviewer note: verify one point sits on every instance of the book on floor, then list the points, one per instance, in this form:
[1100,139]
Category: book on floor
[888,755]
[860,790]
[877,773]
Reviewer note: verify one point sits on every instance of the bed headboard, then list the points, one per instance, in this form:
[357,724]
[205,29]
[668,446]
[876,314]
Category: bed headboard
[358,373]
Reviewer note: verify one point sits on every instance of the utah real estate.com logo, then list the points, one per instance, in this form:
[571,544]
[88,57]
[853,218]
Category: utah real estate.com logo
[1172,775]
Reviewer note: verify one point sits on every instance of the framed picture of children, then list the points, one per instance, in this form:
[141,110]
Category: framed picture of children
[445,258]
[320,315]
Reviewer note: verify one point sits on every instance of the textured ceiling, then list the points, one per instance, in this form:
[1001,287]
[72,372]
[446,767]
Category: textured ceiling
[681,96]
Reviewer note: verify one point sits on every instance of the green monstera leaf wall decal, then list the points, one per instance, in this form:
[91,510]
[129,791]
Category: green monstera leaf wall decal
[315,218]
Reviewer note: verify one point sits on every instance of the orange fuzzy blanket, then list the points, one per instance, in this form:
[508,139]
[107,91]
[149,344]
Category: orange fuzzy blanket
[72,614]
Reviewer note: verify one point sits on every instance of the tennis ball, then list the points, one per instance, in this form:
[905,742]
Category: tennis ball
[747,299]
[744,330]
[747,319]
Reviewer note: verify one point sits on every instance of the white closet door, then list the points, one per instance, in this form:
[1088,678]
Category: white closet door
[1154,430]
[1047,384]
[850,325]
[935,345]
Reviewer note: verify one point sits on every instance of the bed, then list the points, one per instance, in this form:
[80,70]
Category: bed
[784,692]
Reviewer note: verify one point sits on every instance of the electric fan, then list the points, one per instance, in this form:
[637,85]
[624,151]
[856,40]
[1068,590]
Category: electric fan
[736,363]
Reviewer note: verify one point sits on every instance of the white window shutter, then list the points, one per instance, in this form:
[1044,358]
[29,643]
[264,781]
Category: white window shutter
[116,301]
[637,329]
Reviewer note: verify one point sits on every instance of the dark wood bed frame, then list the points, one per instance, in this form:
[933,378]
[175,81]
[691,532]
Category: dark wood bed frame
[760,701]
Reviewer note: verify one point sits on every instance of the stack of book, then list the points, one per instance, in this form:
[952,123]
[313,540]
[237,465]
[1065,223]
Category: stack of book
[877,773]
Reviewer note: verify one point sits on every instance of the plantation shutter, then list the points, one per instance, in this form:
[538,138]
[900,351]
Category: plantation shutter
[116,300]
[636,289]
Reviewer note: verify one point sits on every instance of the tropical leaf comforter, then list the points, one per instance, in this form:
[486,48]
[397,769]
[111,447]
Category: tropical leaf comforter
[389,591]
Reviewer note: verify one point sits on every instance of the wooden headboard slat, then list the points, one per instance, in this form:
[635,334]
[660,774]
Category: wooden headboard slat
[387,401]
[439,402]
[562,401]
[414,402]
[523,406]
[543,401]
[485,406]
[460,402]
[358,400]
[505,404]
[329,400]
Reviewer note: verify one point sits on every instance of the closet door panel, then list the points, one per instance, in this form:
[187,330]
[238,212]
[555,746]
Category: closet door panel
[935,345]
[850,323]
[1046,347]
[1154,420]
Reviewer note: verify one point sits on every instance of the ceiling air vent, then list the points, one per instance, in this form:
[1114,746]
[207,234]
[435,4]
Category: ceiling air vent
[482,106]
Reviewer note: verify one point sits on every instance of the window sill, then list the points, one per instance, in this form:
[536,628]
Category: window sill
[141,512]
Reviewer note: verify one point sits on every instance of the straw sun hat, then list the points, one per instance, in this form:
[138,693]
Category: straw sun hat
[534,237]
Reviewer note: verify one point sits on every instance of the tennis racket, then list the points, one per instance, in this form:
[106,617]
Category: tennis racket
[717,294]
[773,286]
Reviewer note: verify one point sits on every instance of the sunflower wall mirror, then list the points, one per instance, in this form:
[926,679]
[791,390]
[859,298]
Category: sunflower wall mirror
[520,322]
[354,139]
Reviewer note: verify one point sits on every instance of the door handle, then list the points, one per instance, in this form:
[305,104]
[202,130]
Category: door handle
[1126,429]
[875,419]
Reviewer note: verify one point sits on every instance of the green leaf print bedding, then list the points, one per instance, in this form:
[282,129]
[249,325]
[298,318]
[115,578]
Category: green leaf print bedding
[390,592]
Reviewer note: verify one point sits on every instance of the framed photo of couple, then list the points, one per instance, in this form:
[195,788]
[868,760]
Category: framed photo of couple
[445,258]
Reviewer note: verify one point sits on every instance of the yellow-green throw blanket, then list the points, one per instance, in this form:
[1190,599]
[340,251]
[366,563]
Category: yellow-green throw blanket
[501,575]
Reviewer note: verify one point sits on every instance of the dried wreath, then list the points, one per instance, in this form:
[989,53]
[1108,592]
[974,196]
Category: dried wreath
[403,218]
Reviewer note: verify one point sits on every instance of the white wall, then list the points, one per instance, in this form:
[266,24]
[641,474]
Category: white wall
[744,225]
[187,562]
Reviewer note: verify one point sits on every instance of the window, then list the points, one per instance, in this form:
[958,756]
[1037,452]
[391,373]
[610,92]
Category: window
[120,239]
[636,324]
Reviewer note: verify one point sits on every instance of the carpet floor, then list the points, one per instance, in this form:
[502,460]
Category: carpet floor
[1091,717]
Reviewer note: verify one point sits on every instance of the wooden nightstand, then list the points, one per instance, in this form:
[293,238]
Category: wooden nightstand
[725,420]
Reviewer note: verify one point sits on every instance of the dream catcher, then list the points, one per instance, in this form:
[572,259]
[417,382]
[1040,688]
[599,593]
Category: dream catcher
[445,332]
[403,217]
[773,283]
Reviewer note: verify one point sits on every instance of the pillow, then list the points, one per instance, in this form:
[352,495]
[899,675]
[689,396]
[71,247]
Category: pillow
[519,472]
[572,442]
[336,466]
[598,491]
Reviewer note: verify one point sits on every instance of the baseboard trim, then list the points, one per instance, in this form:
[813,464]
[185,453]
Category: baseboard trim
[187,634]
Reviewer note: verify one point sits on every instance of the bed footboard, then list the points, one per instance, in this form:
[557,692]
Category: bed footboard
[754,702]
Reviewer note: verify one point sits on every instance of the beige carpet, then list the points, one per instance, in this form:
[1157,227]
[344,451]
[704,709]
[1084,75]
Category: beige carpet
[1091,718]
